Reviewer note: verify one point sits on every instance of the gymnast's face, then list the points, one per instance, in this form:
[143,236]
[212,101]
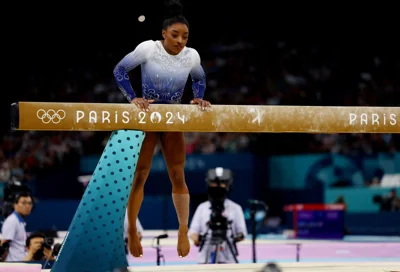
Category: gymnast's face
[175,38]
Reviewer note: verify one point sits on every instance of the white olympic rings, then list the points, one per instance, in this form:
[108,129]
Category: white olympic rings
[50,116]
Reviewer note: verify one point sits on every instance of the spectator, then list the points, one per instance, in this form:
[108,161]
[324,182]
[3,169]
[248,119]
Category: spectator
[13,229]
[37,249]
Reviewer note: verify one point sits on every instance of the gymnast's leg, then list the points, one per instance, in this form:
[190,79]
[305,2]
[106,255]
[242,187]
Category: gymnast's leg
[136,196]
[173,147]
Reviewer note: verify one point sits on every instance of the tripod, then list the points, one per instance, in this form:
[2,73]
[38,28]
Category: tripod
[253,211]
[253,230]
[158,247]
[218,237]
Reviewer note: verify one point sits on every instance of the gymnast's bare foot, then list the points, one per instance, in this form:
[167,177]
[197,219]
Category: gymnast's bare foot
[183,246]
[134,245]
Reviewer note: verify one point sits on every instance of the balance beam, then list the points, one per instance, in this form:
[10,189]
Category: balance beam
[95,236]
[189,118]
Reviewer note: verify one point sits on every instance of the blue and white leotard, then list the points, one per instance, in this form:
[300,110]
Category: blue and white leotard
[164,76]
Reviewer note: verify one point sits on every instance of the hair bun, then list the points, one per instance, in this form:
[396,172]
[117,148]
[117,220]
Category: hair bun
[173,8]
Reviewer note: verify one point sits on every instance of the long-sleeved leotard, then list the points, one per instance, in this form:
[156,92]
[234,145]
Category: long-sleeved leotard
[164,76]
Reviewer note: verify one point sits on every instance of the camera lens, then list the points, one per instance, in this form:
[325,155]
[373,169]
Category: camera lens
[49,241]
[45,245]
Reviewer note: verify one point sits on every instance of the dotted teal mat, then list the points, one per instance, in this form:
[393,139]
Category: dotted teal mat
[94,241]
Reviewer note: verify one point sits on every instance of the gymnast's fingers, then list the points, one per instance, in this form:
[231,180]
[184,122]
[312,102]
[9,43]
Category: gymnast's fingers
[136,103]
[204,104]
[141,104]
[145,105]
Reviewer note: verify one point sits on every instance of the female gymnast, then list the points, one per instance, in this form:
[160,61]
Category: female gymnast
[165,67]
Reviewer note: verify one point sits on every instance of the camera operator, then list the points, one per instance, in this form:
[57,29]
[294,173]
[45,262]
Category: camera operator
[13,230]
[219,216]
[37,247]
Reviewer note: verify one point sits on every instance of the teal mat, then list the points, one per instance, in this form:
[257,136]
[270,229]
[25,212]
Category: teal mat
[94,241]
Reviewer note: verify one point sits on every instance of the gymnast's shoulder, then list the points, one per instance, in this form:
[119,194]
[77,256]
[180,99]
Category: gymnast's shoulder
[193,53]
[147,45]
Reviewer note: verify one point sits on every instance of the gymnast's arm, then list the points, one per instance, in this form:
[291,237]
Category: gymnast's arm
[139,55]
[239,224]
[198,77]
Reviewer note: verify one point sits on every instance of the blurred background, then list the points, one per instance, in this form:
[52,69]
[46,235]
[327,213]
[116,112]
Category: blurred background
[253,53]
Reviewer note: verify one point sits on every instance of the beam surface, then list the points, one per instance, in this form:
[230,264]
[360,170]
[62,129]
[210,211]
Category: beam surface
[189,118]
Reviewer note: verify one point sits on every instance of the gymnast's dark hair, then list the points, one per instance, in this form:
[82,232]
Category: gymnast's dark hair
[173,14]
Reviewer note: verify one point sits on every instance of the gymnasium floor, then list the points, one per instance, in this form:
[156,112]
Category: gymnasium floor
[354,253]
[292,267]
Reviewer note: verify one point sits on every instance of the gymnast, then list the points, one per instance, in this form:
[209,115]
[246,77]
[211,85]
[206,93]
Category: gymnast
[165,67]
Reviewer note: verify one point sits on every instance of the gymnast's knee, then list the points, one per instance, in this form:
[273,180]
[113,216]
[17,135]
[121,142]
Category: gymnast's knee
[177,176]
[140,178]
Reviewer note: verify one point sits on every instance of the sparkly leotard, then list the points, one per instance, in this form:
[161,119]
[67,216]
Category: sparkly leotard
[164,76]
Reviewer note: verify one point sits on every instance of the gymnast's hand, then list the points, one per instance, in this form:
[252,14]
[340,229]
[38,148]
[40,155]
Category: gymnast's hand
[142,103]
[203,104]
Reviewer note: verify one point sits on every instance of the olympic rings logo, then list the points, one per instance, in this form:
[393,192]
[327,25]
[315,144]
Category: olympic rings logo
[50,116]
